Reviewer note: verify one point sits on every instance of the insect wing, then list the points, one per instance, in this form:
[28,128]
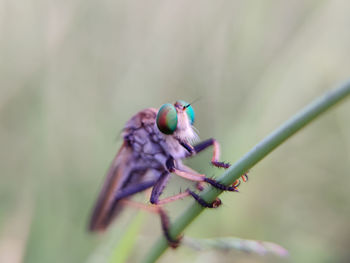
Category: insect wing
[118,173]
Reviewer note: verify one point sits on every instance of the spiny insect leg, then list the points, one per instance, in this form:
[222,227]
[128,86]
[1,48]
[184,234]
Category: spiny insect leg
[199,185]
[220,186]
[188,192]
[165,222]
[204,203]
[216,152]
[159,187]
[202,178]
[126,192]
[133,189]
[174,243]
[216,155]
[172,198]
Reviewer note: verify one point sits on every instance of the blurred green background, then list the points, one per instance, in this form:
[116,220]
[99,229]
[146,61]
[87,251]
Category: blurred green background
[73,72]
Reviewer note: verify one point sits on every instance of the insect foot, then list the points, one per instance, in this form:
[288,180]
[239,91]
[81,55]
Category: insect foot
[204,203]
[220,186]
[238,181]
[220,164]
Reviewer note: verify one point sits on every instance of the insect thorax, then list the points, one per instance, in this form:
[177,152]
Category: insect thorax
[150,148]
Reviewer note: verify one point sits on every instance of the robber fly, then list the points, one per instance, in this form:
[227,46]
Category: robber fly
[154,144]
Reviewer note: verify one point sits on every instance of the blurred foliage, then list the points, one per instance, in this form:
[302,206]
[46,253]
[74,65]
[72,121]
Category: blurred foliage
[73,72]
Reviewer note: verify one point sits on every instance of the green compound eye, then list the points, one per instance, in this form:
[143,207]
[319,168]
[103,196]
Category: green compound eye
[190,113]
[189,110]
[167,119]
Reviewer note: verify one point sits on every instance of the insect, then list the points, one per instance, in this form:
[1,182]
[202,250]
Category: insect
[154,144]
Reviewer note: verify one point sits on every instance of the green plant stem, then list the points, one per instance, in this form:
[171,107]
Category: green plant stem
[262,149]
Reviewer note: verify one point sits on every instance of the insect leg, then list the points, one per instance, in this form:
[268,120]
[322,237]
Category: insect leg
[165,222]
[164,219]
[135,204]
[154,199]
[159,187]
[133,189]
[172,198]
[216,152]
[188,147]
[182,195]
[216,155]
[204,203]
[126,192]
[199,185]
[202,178]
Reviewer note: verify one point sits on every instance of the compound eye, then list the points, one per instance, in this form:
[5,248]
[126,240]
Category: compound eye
[167,119]
[190,113]
[189,110]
